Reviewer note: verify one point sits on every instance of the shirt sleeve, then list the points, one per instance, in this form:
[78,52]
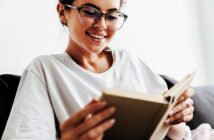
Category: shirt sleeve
[32,115]
[188,135]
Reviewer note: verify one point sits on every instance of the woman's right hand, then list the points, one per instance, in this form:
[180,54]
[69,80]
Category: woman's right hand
[90,123]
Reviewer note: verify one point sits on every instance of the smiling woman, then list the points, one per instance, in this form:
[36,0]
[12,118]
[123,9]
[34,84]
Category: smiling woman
[56,94]
[90,34]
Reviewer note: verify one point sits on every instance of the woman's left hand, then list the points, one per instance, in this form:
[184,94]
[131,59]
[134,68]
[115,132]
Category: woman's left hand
[183,110]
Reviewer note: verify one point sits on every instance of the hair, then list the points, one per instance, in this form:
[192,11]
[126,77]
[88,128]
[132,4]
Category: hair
[122,2]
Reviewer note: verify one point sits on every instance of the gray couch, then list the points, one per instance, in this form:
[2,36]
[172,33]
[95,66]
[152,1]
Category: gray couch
[203,100]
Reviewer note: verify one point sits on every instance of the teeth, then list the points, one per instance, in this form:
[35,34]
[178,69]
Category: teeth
[96,36]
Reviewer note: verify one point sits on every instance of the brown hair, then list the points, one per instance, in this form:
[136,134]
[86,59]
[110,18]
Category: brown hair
[122,2]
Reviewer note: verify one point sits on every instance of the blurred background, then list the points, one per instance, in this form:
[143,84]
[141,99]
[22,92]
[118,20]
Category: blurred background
[174,37]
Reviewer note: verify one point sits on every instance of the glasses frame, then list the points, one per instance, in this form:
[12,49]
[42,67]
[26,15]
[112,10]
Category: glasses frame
[78,8]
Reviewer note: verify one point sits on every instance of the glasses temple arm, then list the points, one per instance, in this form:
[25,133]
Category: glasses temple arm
[71,6]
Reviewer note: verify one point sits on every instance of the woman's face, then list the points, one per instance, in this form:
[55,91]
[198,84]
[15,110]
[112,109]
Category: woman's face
[95,37]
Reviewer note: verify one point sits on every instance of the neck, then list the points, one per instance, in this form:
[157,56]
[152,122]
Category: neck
[94,62]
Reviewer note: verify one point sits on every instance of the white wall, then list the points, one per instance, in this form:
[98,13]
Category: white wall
[206,16]
[28,28]
[164,33]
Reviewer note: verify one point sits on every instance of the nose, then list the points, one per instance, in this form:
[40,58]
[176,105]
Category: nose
[101,23]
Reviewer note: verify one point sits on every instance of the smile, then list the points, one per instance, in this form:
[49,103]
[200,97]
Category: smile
[96,36]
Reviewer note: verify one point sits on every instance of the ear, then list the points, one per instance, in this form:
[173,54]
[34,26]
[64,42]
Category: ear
[61,13]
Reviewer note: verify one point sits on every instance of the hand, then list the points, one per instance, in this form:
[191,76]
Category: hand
[183,110]
[90,123]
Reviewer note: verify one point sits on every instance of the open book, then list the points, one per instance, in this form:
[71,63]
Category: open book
[141,116]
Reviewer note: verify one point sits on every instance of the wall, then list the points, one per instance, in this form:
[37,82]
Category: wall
[28,29]
[206,20]
[165,34]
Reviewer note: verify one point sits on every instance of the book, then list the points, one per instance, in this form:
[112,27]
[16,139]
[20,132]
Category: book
[141,116]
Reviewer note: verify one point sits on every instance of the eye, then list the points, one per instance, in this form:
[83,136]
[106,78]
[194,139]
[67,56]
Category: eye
[89,12]
[113,16]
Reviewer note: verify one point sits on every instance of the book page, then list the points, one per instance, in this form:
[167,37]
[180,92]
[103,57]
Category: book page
[174,93]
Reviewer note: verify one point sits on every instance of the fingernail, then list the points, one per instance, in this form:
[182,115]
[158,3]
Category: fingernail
[182,98]
[191,92]
[103,103]
[171,113]
[88,117]
[112,121]
[167,121]
[112,109]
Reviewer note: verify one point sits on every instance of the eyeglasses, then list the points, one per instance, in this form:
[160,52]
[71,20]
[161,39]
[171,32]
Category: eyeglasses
[89,16]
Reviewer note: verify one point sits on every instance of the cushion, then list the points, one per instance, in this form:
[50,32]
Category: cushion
[203,104]
[8,87]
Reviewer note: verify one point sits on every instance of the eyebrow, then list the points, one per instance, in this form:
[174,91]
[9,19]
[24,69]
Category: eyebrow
[96,7]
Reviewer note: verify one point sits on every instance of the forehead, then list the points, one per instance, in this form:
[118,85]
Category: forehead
[103,5]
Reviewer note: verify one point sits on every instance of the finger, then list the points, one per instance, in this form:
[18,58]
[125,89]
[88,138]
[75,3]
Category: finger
[100,137]
[191,92]
[188,93]
[97,131]
[182,116]
[182,105]
[180,99]
[81,115]
[184,119]
[187,118]
[95,120]
[93,101]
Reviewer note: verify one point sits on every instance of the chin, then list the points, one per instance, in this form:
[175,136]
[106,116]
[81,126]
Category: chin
[96,49]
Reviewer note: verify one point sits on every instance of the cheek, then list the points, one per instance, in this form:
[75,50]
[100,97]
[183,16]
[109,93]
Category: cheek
[75,29]
[111,34]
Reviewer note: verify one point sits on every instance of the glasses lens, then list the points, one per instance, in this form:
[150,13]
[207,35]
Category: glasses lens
[88,15]
[115,20]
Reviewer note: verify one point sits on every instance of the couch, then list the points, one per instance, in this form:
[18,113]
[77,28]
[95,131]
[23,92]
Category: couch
[203,100]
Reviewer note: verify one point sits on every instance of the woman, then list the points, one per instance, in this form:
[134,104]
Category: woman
[55,89]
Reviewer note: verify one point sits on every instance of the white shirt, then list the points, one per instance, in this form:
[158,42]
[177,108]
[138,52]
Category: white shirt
[54,87]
